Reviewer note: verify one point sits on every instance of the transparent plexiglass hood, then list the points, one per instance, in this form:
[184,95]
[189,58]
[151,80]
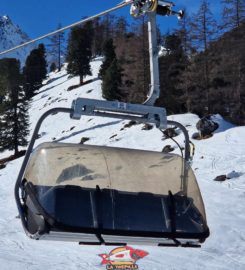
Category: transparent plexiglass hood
[127,171]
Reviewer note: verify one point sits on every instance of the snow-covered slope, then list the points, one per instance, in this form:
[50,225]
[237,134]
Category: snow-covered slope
[11,35]
[224,153]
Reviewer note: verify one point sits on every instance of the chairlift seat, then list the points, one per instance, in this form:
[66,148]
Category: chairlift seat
[107,195]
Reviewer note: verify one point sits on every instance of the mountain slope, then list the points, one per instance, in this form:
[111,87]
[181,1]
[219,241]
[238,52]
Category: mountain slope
[11,35]
[221,154]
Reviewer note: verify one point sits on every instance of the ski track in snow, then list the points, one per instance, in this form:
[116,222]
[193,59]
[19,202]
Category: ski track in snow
[225,202]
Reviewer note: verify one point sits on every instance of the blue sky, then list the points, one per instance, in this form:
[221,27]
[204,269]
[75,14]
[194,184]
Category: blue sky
[37,17]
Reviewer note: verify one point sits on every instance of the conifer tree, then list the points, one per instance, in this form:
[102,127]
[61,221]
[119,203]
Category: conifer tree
[14,119]
[98,37]
[2,91]
[34,71]
[57,50]
[233,13]
[204,30]
[121,26]
[109,56]
[112,81]
[203,27]
[171,67]
[103,29]
[184,33]
[133,54]
[52,67]
[192,82]
[79,52]
[108,26]
[110,73]
[43,63]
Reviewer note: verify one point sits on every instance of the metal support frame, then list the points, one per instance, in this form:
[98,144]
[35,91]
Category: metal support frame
[154,91]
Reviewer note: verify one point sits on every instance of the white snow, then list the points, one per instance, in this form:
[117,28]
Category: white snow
[5,17]
[224,154]
[11,35]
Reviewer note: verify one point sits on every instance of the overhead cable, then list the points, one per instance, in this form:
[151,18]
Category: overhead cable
[121,5]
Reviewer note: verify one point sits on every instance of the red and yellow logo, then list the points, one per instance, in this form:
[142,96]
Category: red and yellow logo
[123,258]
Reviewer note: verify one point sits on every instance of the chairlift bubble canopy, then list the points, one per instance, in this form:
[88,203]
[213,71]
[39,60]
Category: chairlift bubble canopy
[106,195]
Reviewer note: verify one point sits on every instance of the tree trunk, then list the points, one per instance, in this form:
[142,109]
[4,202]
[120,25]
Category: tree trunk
[81,80]
[16,150]
[59,54]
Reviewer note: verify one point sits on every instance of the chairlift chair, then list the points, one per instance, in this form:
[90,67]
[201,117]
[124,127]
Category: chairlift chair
[107,195]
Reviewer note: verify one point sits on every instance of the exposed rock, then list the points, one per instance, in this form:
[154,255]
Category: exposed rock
[130,124]
[220,178]
[206,127]
[84,139]
[170,133]
[167,149]
[147,127]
